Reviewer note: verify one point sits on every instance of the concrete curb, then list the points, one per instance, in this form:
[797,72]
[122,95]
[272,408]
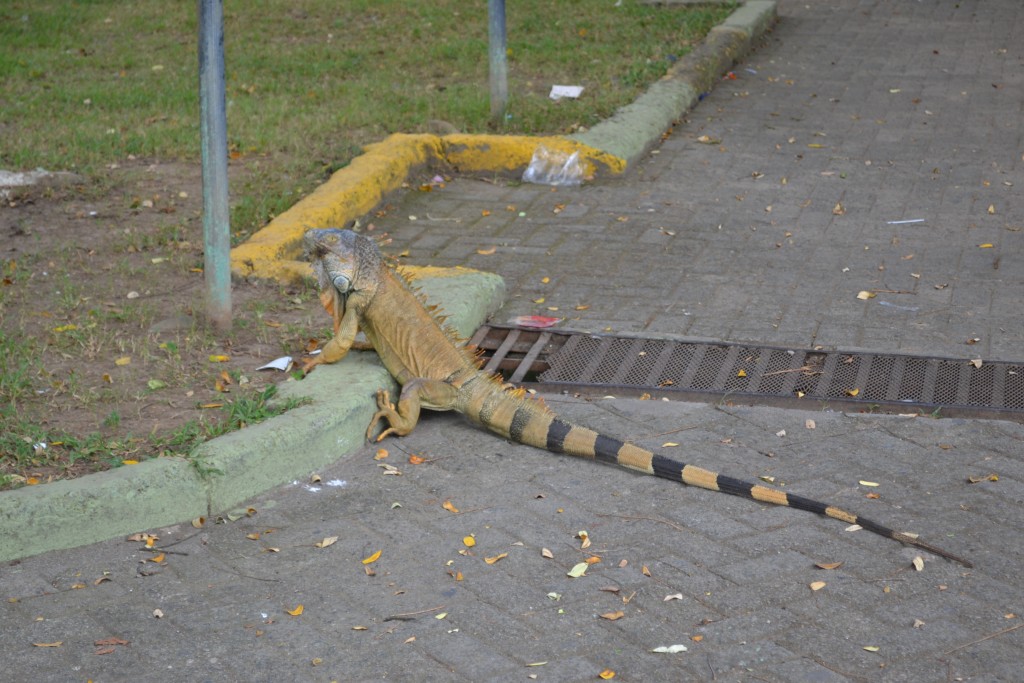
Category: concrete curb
[609,147]
[226,471]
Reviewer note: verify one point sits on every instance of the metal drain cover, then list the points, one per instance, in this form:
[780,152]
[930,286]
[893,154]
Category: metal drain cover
[583,362]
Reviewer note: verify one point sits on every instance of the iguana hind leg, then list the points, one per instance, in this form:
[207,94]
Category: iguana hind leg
[416,394]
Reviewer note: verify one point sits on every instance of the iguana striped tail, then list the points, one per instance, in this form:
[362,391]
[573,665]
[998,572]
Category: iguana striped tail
[532,424]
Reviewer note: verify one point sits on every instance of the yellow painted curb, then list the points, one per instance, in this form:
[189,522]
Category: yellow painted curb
[355,190]
[506,153]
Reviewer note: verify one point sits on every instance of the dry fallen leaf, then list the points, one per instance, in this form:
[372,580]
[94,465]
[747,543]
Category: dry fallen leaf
[295,612]
[865,294]
[113,640]
[468,541]
[872,648]
[487,252]
[544,552]
[613,616]
[54,644]
[159,613]
[372,558]
[918,623]
[918,563]
[817,585]
[867,483]
[578,570]
[674,596]
[327,541]
[828,565]
[492,560]
[447,505]
[606,675]
[585,538]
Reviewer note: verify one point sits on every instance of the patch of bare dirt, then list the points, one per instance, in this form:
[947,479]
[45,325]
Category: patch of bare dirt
[102,325]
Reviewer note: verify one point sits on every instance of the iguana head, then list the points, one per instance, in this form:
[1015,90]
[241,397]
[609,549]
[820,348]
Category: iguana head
[333,255]
[343,263]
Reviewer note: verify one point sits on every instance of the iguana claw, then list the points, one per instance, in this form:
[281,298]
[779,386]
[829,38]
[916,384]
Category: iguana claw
[386,409]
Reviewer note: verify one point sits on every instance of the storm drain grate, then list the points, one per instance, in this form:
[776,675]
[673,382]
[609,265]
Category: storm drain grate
[588,363]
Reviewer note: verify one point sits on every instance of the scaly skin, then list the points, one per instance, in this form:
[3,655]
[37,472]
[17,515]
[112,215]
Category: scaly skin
[360,291]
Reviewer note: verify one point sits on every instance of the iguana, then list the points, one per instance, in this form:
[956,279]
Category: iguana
[361,291]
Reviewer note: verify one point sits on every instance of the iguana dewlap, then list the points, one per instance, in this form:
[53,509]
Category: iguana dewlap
[361,292]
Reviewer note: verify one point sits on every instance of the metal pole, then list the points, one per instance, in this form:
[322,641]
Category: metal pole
[214,139]
[497,47]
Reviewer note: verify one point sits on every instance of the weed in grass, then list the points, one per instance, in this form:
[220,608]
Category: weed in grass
[18,367]
[236,414]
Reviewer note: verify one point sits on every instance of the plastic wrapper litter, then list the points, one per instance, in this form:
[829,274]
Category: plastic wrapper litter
[551,167]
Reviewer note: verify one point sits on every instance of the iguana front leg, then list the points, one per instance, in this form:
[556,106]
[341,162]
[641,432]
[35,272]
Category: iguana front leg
[339,345]
[416,394]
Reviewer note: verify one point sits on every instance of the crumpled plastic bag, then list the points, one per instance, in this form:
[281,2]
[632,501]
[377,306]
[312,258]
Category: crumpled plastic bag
[551,167]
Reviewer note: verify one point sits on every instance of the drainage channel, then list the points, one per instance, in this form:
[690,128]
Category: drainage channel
[586,363]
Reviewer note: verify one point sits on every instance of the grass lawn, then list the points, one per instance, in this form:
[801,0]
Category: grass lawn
[86,84]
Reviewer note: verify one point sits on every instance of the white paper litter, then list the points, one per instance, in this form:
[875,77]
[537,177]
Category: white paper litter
[282,364]
[570,91]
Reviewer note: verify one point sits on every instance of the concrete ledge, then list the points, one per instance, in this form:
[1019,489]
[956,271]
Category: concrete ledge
[75,512]
[301,441]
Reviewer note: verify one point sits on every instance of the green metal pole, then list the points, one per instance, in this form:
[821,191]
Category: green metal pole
[214,136]
[498,52]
